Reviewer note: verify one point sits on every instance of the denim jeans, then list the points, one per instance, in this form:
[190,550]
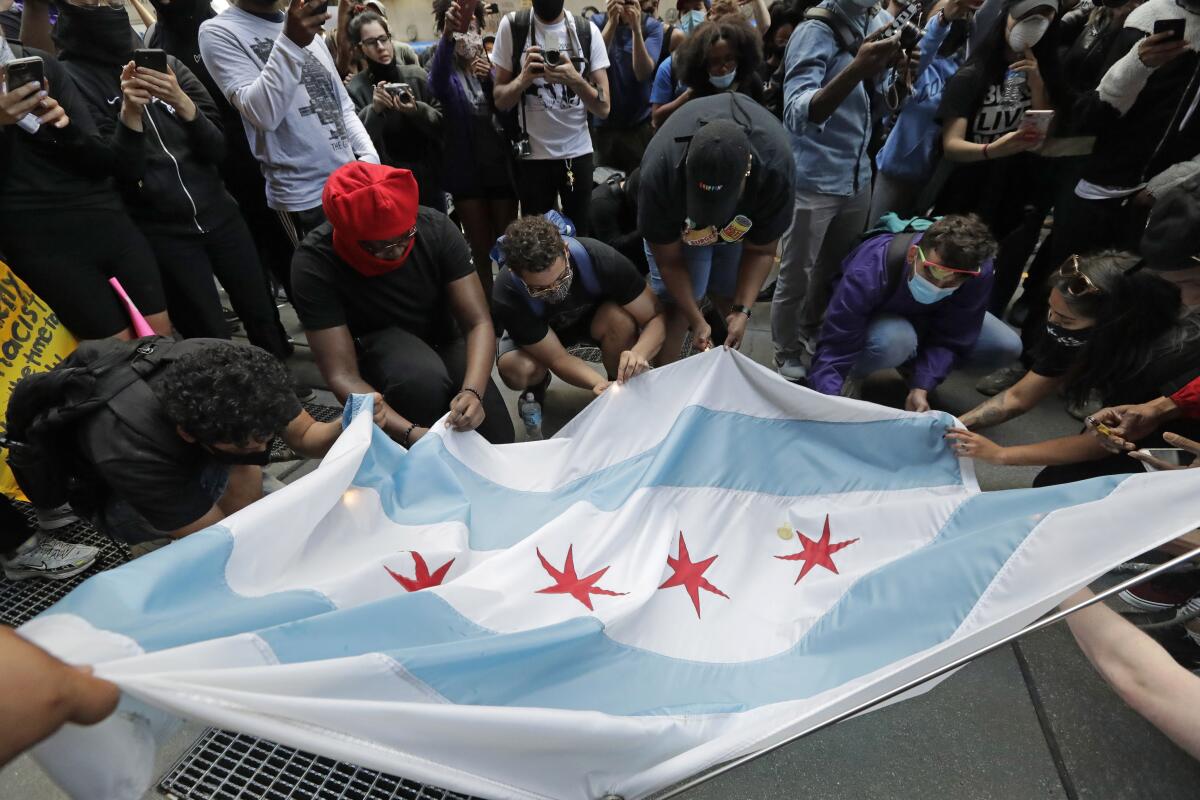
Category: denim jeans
[713,268]
[892,341]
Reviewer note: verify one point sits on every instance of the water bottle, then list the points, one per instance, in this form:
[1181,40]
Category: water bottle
[1014,84]
[531,414]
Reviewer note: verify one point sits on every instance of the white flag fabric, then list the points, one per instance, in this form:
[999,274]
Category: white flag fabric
[704,561]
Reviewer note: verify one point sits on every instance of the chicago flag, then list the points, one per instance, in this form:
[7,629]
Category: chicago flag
[705,561]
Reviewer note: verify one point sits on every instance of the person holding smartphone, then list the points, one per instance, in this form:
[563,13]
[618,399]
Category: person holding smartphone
[169,129]
[63,227]
[634,40]
[277,72]
[990,142]
[397,108]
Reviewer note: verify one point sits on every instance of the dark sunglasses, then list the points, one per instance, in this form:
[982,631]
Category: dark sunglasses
[1077,284]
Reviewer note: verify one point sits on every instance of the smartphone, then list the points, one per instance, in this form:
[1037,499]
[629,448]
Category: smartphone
[468,14]
[1172,455]
[1038,121]
[21,71]
[151,59]
[1171,26]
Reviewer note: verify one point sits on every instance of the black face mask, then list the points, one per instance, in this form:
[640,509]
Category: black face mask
[259,458]
[547,10]
[383,72]
[182,16]
[1065,337]
[101,33]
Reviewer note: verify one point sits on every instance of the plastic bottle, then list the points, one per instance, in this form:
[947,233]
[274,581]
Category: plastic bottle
[531,414]
[1014,84]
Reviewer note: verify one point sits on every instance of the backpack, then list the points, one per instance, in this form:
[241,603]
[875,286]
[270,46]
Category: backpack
[581,261]
[520,23]
[46,409]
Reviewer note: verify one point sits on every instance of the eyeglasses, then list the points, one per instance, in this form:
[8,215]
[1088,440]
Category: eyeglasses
[1077,284]
[940,272]
[389,249]
[539,292]
[378,41]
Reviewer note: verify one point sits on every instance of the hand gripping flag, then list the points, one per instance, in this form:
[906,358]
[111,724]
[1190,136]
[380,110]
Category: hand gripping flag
[704,561]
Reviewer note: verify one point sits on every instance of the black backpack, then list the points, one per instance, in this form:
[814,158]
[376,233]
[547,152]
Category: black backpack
[46,409]
[521,21]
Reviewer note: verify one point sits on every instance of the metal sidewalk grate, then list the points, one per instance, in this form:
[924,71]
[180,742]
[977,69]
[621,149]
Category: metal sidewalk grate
[281,452]
[232,766]
[21,601]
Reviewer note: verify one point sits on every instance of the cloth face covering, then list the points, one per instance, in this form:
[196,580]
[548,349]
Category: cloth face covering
[547,10]
[101,33]
[691,20]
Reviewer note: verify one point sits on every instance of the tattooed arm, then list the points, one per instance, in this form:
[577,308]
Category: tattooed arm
[1012,402]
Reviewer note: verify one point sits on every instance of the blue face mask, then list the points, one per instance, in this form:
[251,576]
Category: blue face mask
[722,81]
[691,20]
[925,292]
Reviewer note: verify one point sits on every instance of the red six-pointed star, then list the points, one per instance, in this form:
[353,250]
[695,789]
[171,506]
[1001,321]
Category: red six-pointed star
[690,575]
[817,552]
[422,580]
[567,582]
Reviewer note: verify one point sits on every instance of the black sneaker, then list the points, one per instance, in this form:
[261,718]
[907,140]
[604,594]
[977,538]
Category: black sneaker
[304,393]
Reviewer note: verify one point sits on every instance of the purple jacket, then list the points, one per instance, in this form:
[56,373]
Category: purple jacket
[946,330]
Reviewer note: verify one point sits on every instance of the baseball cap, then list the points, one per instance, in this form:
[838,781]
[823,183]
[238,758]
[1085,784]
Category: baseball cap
[717,159]
[1171,239]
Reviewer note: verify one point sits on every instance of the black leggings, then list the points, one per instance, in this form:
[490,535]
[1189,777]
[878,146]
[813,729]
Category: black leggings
[189,262]
[15,530]
[541,183]
[67,258]
[419,380]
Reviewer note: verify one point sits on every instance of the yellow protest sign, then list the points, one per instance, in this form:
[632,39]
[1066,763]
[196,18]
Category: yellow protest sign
[31,340]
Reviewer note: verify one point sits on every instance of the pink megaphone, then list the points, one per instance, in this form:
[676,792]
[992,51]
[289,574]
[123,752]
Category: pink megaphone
[140,326]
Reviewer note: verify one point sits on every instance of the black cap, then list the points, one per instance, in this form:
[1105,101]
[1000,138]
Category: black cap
[717,160]
[1172,236]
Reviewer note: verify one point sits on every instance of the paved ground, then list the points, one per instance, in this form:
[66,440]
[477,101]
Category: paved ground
[1028,721]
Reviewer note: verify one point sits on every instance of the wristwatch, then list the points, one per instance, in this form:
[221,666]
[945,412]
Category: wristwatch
[742,310]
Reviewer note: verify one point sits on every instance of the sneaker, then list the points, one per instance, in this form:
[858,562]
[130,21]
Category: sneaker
[53,559]
[767,294]
[52,519]
[1168,591]
[304,392]
[996,382]
[1090,405]
[793,369]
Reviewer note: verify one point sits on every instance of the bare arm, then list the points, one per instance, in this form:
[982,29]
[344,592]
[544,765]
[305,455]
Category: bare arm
[648,313]
[643,64]
[673,269]
[508,88]
[333,349]
[956,147]
[214,515]
[761,15]
[1012,402]
[470,309]
[1139,670]
[757,260]
[661,112]
[144,12]
[35,26]
[550,353]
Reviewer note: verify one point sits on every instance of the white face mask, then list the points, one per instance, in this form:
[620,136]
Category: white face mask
[1027,33]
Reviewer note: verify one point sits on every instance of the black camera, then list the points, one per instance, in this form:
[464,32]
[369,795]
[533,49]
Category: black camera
[521,148]
[553,57]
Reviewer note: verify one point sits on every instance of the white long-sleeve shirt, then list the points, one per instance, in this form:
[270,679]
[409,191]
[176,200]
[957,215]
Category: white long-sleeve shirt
[298,118]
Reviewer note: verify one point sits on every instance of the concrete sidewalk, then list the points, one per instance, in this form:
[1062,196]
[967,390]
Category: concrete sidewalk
[1028,721]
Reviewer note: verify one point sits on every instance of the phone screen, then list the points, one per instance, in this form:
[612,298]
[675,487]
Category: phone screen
[1037,121]
[1173,26]
[1172,455]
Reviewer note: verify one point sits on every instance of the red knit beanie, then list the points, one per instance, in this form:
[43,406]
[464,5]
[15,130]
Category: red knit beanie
[370,202]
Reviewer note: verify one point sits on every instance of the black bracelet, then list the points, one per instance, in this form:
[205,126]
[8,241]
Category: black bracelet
[472,391]
[408,433]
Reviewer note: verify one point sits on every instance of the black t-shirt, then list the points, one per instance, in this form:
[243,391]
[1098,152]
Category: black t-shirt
[328,292]
[770,189]
[135,447]
[1174,360]
[977,93]
[619,282]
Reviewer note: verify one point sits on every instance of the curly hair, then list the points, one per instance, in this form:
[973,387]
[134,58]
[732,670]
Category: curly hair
[227,394]
[531,244]
[1132,310]
[354,29]
[690,59]
[442,7]
[961,239]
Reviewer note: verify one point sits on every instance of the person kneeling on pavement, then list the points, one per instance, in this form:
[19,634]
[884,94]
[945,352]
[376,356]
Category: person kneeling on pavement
[153,438]
[552,294]
[916,301]
[386,292]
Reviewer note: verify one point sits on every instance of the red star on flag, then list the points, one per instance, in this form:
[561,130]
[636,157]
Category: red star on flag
[690,575]
[422,580]
[567,582]
[818,552]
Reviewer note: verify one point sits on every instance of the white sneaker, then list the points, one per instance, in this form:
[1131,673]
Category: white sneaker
[793,369]
[44,557]
[51,519]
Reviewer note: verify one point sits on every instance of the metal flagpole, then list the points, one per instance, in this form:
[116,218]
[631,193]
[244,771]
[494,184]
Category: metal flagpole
[953,665]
